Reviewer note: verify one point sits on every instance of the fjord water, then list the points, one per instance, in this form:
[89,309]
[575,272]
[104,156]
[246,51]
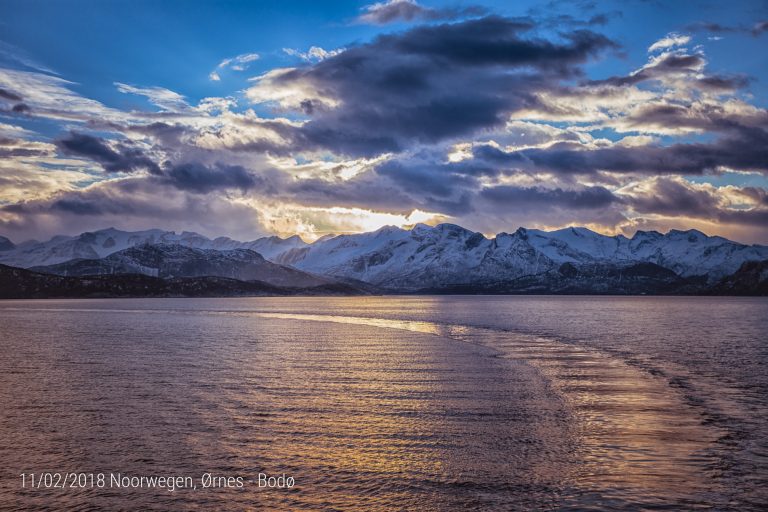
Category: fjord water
[390,403]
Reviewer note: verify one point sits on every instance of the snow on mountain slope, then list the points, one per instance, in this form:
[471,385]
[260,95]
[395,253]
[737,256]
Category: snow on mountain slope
[449,255]
[688,253]
[429,257]
[691,252]
[102,243]
[575,244]
[272,246]
[394,257]
[174,260]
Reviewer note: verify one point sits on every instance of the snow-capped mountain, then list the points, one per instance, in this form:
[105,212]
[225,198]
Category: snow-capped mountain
[102,243]
[174,260]
[443,257]
[446,255]
[687,253]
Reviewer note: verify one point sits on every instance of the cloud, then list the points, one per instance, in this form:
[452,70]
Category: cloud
[120,158]
[238,63]
[9,96]
[670,95]
[393,11]
[487,121]
[51,97]
[424,85]
[670,41]
[15,55]
[671,197]
[195,177]
[10,130]
[191,175]
[536,197]
[314,54]
[240,60]
[131,203]
[164,98]
[31,169]
[677,197]
[666,65]
[747,151]
[756,29]
[680,70]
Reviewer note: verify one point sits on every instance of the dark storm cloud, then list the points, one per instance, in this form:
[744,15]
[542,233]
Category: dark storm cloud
[667,65]
[122,159]
[494,41]
[192,176]
[753,217]
[702,117]
[80,206]
[679,65]
[441,180]
[408,10]
[494,155]
[433,83]
[673,198]
[724,83]
[196,177]
[676,198]
[9,95]
[532,197]
[746,151]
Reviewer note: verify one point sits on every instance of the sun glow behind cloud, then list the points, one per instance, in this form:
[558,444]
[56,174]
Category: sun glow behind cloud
[313,223]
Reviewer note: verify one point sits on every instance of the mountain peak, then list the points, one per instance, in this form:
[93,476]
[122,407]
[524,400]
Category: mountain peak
[385,230]
[447,226]
[576,231]
[691,235]
[646,234]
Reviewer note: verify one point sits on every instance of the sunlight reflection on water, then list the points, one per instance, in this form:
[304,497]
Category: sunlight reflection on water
[388,403]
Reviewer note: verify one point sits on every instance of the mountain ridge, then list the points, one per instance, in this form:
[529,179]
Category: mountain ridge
[432,259]
[174,260]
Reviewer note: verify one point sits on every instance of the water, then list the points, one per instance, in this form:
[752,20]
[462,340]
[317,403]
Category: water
[389,403]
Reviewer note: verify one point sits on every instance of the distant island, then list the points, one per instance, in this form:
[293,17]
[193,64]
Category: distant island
[442,259]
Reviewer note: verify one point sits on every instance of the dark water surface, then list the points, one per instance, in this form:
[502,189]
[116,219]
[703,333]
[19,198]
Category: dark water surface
[389,403]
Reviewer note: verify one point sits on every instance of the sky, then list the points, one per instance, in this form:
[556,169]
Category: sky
[246,119]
